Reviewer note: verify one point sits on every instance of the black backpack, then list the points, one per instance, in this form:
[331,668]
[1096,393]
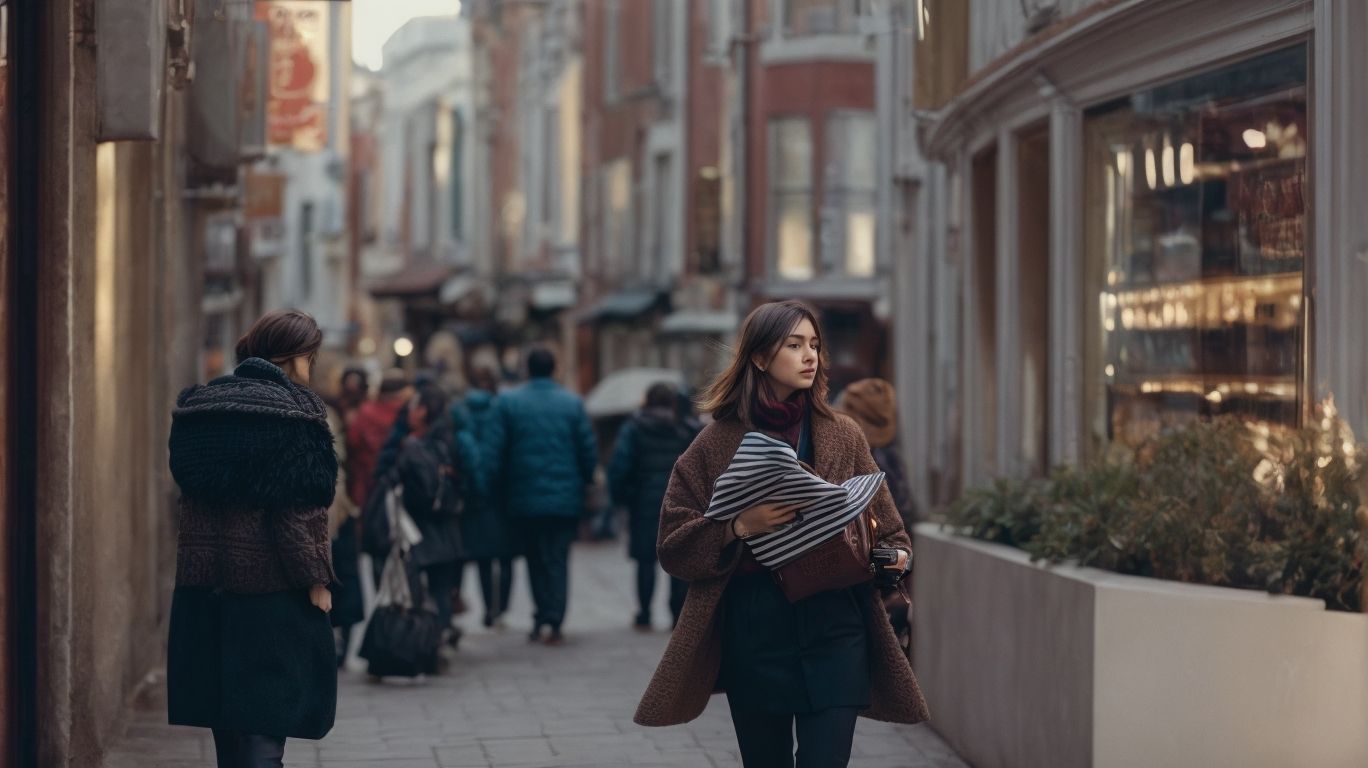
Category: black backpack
[431,480]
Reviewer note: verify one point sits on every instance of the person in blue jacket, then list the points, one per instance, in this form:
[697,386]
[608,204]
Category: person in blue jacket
[483,526]
[544,446]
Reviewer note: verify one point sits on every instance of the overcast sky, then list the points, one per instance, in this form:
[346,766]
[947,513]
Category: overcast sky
[373,21]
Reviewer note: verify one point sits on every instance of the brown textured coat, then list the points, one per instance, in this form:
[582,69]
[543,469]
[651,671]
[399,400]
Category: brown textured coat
[691,548]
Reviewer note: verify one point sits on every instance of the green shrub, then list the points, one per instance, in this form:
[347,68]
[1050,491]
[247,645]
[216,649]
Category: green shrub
[1217,502]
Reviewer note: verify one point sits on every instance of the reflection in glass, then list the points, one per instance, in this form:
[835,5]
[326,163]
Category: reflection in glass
[1197,261]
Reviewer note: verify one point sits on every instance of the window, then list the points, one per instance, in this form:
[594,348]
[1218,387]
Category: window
[1196,232]
[661,247]
[551,169]
[458,128]
[1033,291]
[617,225]
[306,233]
[982,424]
[822,17]
[850,194]
[941,52]
[662,38]
[791,226]
[612,27]
[718,41]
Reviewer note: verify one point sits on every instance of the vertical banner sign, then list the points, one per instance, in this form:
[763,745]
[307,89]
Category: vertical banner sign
[297,106]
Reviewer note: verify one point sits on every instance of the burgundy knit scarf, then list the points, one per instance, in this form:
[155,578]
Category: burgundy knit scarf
[783,418]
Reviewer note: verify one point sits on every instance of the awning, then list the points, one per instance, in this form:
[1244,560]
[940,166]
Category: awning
[699,322]
[552,295]
[624,305]
[457,288]
[414,280]
[624,391]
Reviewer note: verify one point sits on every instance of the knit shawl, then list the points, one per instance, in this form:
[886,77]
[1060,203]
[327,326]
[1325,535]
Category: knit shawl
[253,438]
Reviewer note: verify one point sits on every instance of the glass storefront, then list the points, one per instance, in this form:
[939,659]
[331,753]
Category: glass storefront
[1195,250]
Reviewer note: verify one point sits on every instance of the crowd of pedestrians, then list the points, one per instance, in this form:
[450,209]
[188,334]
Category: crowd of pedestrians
[284,494]
[485,477]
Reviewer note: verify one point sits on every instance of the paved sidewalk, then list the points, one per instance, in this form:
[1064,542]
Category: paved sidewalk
[506,702]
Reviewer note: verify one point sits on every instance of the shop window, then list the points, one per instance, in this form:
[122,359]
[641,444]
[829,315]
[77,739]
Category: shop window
[983,399]
[849,194]
[791,225]
[1196,235]
[1033,286]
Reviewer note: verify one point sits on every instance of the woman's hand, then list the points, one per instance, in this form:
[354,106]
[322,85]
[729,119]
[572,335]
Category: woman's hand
[321,598]
[764,518]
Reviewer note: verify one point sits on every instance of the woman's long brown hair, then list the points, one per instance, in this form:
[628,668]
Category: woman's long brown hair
[732,393]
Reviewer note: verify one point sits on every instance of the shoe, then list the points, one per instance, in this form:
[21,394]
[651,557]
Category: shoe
[458,604]
[642,623]
[488,620]
[555,638]
[535,636]
[453,638]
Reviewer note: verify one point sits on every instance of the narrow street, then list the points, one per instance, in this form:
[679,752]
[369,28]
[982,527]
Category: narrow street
[506,702]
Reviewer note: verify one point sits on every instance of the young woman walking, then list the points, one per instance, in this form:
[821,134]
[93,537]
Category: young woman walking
[817,663]
[251,651]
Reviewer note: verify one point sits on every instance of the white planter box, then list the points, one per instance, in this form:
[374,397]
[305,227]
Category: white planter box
[1026,665]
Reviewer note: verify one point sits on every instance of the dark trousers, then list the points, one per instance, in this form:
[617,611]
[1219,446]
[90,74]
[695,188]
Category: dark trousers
[441,581]
[496,584]
[245,750]
[548,567]
[824,738]
[646,584]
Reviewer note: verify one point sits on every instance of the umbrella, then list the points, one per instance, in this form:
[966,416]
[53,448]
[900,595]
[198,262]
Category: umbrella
[623,391]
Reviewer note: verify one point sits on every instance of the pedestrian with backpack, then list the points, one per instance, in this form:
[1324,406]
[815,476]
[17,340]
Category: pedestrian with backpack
[647,447]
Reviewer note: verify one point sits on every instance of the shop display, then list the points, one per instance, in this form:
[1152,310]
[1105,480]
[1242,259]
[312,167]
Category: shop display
[1202,227]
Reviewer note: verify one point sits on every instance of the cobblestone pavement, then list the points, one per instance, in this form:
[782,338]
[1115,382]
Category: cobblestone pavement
[506,702]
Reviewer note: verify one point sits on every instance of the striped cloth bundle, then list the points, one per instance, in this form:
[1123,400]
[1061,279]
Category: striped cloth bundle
[766,470]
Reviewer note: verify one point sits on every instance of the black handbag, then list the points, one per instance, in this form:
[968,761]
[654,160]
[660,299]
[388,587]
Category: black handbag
[401,642]
[402,639]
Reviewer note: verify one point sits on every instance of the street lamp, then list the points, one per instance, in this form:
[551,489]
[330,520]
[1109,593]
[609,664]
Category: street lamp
[403,346]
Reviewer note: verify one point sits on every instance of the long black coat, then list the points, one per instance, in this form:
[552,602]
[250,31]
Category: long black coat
[643,457]
[262,664]
[248,651]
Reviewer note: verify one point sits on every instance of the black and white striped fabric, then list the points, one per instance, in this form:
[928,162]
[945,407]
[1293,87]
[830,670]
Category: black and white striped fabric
[766,470]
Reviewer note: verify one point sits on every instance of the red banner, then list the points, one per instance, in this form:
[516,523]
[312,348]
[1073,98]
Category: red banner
[297,107]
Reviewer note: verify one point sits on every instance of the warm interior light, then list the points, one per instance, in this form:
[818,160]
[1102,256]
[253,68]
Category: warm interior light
[1170,170]
[1151,173]
[1255,138]
[403,346]
[1187,165]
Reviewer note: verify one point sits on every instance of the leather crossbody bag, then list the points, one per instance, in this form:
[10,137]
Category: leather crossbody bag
[840,562]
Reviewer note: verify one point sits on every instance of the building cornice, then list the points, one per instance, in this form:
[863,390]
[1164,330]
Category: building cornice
[1107,51]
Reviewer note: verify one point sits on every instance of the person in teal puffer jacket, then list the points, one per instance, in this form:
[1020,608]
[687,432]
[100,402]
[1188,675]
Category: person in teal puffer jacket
[543,443]
[484,527]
